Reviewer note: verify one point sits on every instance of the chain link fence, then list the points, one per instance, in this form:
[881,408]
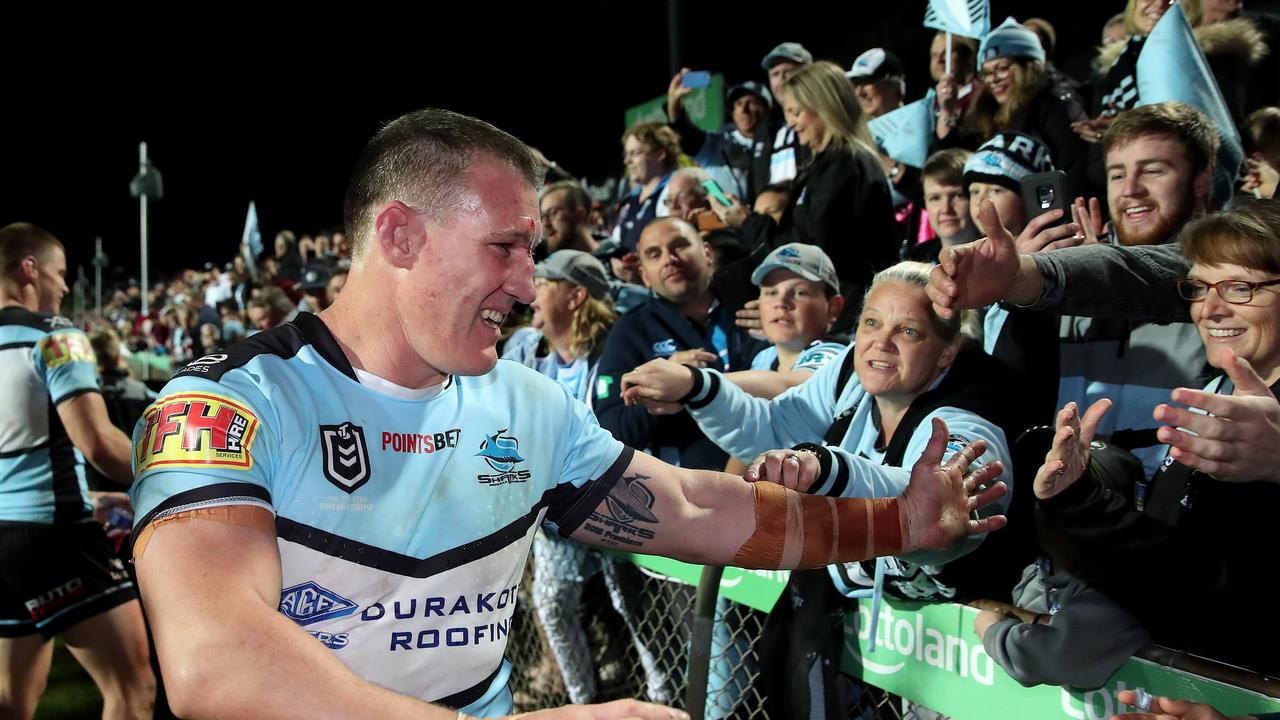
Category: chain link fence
[603,628]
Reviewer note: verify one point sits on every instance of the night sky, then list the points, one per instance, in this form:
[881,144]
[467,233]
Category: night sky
[235,105]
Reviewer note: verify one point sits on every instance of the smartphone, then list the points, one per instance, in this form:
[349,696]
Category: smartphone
[713,189]
[1042,192]
[707,221]
[697,79]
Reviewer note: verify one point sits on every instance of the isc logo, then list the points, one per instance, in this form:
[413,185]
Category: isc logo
[307,603]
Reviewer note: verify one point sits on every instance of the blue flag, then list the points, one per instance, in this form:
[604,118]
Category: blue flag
[252,236]
[1172,68]
[904,133]
[970,18]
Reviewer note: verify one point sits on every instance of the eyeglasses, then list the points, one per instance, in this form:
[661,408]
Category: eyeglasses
[1236,292]
[996,72]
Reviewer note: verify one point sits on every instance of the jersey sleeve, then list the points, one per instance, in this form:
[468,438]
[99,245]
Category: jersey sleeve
[590,461]
[204,444]
[818,355]
[65,360]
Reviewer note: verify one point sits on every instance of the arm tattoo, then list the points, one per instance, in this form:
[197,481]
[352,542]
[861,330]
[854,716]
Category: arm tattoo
[629,509]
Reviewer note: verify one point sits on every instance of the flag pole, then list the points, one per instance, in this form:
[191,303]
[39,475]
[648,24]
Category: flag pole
[142,199]
[948,52]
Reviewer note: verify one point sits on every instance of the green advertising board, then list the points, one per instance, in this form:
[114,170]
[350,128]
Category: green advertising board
[705,107]
[929,653]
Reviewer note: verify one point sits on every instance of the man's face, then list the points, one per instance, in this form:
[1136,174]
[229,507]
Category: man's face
[948,208]
[260,318]
[794,311]
[469,270]
[1008,205]
[778,74]
[771,203]
[748,111]
[51,280]
[686,198]
[559,218]
[334,288]
[1219,10]
[876,98]
[643,162]
[1151,192]
[673,264]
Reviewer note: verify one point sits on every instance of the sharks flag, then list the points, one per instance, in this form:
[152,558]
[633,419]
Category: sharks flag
[904,133]
[1171,68]
[970,18]
[251,242]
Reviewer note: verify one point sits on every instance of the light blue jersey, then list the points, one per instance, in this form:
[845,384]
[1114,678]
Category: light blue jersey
[403,524]
[44,361]
[814,357]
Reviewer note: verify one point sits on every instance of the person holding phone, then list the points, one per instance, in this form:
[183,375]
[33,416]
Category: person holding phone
[726,153]
[840,200]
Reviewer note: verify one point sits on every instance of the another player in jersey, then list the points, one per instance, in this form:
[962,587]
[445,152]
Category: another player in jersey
[335,515]
[58,573]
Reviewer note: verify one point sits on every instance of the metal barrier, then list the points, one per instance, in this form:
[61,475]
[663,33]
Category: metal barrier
[640,620]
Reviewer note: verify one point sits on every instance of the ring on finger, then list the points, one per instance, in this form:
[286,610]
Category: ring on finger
[792,456]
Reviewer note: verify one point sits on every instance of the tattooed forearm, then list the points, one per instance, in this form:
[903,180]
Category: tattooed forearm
[625,519]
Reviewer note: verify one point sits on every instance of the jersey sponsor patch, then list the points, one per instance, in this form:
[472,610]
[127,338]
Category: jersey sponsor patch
[308,602]
[64,347]
[196,429]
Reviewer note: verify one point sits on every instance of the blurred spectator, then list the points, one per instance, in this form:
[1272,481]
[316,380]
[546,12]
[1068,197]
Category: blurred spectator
[288,263]
[776,152]
[269,308]
[773,200]
[651,153]
[686,198]
[726,153]
[1260,137]
[334,288]
[840,202]
[566,217]
[879,81]
[954,93]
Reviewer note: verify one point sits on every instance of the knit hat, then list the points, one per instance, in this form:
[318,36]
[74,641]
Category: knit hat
[1007,158]
[1010,39]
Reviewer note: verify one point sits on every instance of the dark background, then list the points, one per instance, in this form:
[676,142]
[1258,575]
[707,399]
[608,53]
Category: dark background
[273,105]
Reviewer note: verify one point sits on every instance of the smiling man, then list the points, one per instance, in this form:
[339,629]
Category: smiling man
[295,560]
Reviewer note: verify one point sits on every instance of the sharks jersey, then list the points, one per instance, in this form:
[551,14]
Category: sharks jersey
[44,361]
[403,524]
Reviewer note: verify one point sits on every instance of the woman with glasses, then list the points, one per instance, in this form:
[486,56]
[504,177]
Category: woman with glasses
[1020,94]
[1180,550]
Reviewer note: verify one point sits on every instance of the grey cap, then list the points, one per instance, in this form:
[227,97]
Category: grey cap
[792,51]
[807,261]
[577,267]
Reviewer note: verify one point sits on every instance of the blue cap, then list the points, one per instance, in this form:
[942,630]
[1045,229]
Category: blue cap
[1010,39]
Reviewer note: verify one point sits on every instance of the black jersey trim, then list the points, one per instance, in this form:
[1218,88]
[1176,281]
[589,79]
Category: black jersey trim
[17,345]
[193,499]
[571,517]
[15,453]
[76,394]
[464,698]
[284,342]
[15,315]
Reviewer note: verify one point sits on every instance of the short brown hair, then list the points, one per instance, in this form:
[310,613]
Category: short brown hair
[19,240]
[946,167]
[1181,122]
[1260,133]
[1247,235]
[573,192]
[422,159]
[657,137]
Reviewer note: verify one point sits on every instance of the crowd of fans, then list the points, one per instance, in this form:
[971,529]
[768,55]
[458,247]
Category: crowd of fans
[797,313]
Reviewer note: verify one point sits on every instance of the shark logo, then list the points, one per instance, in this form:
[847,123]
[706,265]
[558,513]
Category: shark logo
[631,501]
[502,453]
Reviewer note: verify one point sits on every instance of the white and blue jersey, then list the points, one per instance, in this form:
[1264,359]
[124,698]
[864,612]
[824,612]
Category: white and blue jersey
[44,361]
[814,357]
[403,523]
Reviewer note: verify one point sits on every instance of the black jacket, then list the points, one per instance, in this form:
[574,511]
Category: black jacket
[1048,116]
[841,203]
[651,330]
[766,141]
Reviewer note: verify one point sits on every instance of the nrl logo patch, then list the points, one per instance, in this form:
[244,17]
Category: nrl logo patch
[344,456]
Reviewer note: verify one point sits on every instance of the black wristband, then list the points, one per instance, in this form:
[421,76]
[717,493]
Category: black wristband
[696,388]
[824,461]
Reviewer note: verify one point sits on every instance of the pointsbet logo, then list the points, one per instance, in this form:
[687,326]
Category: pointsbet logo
[195,429]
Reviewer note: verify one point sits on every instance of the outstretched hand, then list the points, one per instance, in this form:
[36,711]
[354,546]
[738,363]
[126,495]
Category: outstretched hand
[1163,708]
[936,507]
[1239,440]
[977,274]
[1069,456]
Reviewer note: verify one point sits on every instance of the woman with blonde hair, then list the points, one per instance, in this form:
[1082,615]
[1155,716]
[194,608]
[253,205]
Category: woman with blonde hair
[840,200]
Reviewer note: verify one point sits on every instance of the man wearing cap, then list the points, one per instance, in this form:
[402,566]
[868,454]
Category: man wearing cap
[725,153]
[775,152]
[879,82]
[685,321]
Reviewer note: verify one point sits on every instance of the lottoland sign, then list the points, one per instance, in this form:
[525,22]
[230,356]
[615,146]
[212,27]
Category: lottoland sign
[705,107]
[929,653]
